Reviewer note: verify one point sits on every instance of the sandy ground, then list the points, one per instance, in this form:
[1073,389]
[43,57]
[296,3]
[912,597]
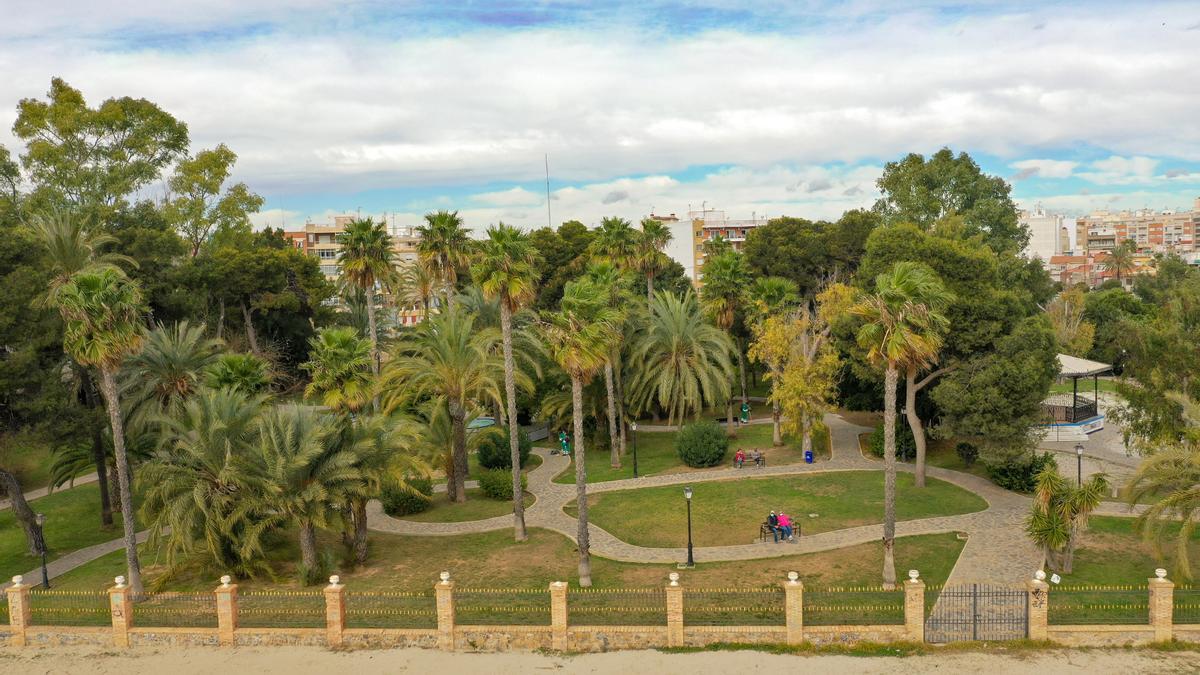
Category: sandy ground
[302,660]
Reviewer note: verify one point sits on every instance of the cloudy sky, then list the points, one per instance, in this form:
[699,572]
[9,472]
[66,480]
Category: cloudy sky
[763,108]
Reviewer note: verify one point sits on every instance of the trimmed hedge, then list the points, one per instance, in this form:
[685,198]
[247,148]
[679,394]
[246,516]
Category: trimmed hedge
[702,444]
[397,501]
[906,445]
[497,484]
[494,452]
[1019,475]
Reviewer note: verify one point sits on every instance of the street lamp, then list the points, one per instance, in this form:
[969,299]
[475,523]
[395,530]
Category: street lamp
[687,496]
[1079,463]
[41,523]
[633,428]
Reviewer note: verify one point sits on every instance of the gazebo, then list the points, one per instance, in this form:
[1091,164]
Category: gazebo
[1072,409]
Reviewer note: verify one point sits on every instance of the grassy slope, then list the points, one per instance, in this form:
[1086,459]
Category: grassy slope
[72,522]
[1112,552]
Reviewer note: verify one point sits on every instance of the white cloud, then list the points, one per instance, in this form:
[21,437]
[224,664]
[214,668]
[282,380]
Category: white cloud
[1043,168]
[517,196]
[1121,170]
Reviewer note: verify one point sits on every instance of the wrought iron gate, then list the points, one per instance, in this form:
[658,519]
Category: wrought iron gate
[978,612]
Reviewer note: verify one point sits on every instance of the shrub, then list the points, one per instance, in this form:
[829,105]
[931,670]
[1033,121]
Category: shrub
[701,444]
[497,484]
[967,452]
[494,452]
[397,501]
[906,445]
[1019,474]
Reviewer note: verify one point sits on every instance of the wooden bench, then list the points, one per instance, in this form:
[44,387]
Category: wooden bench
[762,462]
[764,532]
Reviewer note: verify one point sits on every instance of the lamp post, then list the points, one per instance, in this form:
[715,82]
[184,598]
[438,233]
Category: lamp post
[1079,464]
[41,523]
[633,428]
[687,496]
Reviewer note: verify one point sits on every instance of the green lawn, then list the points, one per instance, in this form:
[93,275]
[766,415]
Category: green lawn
[29,458]
[729,512]
[657,455]
[72,522]
[1112,552]
[474,469]
[477,507]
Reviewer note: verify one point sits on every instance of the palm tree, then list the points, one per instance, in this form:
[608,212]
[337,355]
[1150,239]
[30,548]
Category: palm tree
[649,258]
[903,325]
[445,248]
[580,337]
[246,373]
[101,309]
[171,366]
[445,356]
[367,260]
[1060,513]
[415,285]
[725,281]
[609,278]
[307,472]
[1172,477]
[339,366]
[684,360]
[615,242]
[1120,258]
[507,270]
[768,296]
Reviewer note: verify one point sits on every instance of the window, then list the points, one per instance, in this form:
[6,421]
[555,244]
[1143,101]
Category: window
[327,254]
[329,270]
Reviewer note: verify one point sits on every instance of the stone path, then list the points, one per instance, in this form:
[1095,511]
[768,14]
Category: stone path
[60,566]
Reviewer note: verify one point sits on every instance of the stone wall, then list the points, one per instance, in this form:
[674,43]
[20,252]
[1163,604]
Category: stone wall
[612,638]
[830,635]
[701,636]
[1101,636]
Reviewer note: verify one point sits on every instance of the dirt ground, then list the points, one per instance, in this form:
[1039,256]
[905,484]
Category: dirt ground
[302,660]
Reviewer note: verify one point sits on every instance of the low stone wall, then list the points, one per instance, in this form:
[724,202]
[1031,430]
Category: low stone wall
[830,635]
[54,636]
[183,637]
[612,638]
[383,638]
[501,638]
[701,636]
[1101,636]
[254,637]
[1188,632]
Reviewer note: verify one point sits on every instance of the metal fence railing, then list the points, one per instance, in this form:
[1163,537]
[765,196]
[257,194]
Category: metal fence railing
[617,607]
[853,606]
[502,606]
[192,610]
[50,607]
[399,609]
[1099,605]
[1187,604]
[734,607]
[287,609]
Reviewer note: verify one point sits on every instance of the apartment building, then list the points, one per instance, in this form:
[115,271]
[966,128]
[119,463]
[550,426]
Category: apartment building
[1091,269]
[1048,233]
[1152,231]
[708,224]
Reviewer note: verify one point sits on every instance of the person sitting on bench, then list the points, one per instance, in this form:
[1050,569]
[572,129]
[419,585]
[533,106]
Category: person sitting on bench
[773,523]
[785,526]
[739,458]
[758,458]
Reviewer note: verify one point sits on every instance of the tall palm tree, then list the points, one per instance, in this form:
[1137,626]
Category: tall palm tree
[507,270]
[609,278]
[101,310]
[307,473]
[415,285]
[580,337]
[726,278]
[445,247]
[903,325]
[339,367]
[684,360]
[1172,477]
[1120,258]
[1060,513]
[171,366]
[367,260]
[768,296]
[649,258]
[615,242]
[445,356]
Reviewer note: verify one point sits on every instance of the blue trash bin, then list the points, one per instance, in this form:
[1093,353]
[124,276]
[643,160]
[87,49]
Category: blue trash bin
[808,457]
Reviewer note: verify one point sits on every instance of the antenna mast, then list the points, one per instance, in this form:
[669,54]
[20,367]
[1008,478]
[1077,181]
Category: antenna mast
[549,222]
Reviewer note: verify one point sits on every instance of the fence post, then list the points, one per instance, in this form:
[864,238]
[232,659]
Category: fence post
[444,590]
[226,611]
[1162,605]
[121,607]
[335,611]
[793,608]
[558,615]
[674,611]
[18,611]
[1039,606]
[914,607]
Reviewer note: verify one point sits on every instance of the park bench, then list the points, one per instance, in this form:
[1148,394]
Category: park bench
[762,461]
[764,532]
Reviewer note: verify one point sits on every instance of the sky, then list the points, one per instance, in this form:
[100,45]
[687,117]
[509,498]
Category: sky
[757,109]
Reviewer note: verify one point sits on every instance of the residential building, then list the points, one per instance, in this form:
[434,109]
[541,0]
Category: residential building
[1152,231]
[1047,232]
[1092,269]
[708,224]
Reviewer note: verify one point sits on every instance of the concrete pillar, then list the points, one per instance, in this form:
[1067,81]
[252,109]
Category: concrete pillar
[914,607]
[444,590]
[335,611]
[1039,606]
[18,611]
[120,604]
[674,611]
[1162,606]
[226,611]
[793,608]
[558,615]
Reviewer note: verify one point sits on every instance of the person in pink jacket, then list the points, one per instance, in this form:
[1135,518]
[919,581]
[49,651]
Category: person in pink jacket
[785,524]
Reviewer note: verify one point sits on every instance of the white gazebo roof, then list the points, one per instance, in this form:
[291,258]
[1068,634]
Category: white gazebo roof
[1073,366]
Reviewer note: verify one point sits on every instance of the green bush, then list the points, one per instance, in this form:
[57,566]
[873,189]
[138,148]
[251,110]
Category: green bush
[497,484]
[701,444]
[906,445]
[494,452]
[397,501]
[967,452]
[1019,474]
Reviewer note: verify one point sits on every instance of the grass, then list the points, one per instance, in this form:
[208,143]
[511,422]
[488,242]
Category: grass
[72,523]
[477,507]
[1111,552]
[729,512]
[657,455]
[29,458]
[940,452]
[474,468]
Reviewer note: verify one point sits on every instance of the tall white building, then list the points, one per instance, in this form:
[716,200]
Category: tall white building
[1048,233]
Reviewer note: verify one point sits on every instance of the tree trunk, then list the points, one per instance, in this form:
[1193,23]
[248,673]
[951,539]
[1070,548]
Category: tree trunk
[914,423]
[98,455]
[25,515]
[614,459]
[730,429]
[649,288]
[374,337]
[889,476]
[221,321]
[621,426]
[581,535]
[250,335]
[458,421]
[806,439]
[742,371]
[514,432]
[358,510]
[108,385]
[308,551]
[1068,558]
